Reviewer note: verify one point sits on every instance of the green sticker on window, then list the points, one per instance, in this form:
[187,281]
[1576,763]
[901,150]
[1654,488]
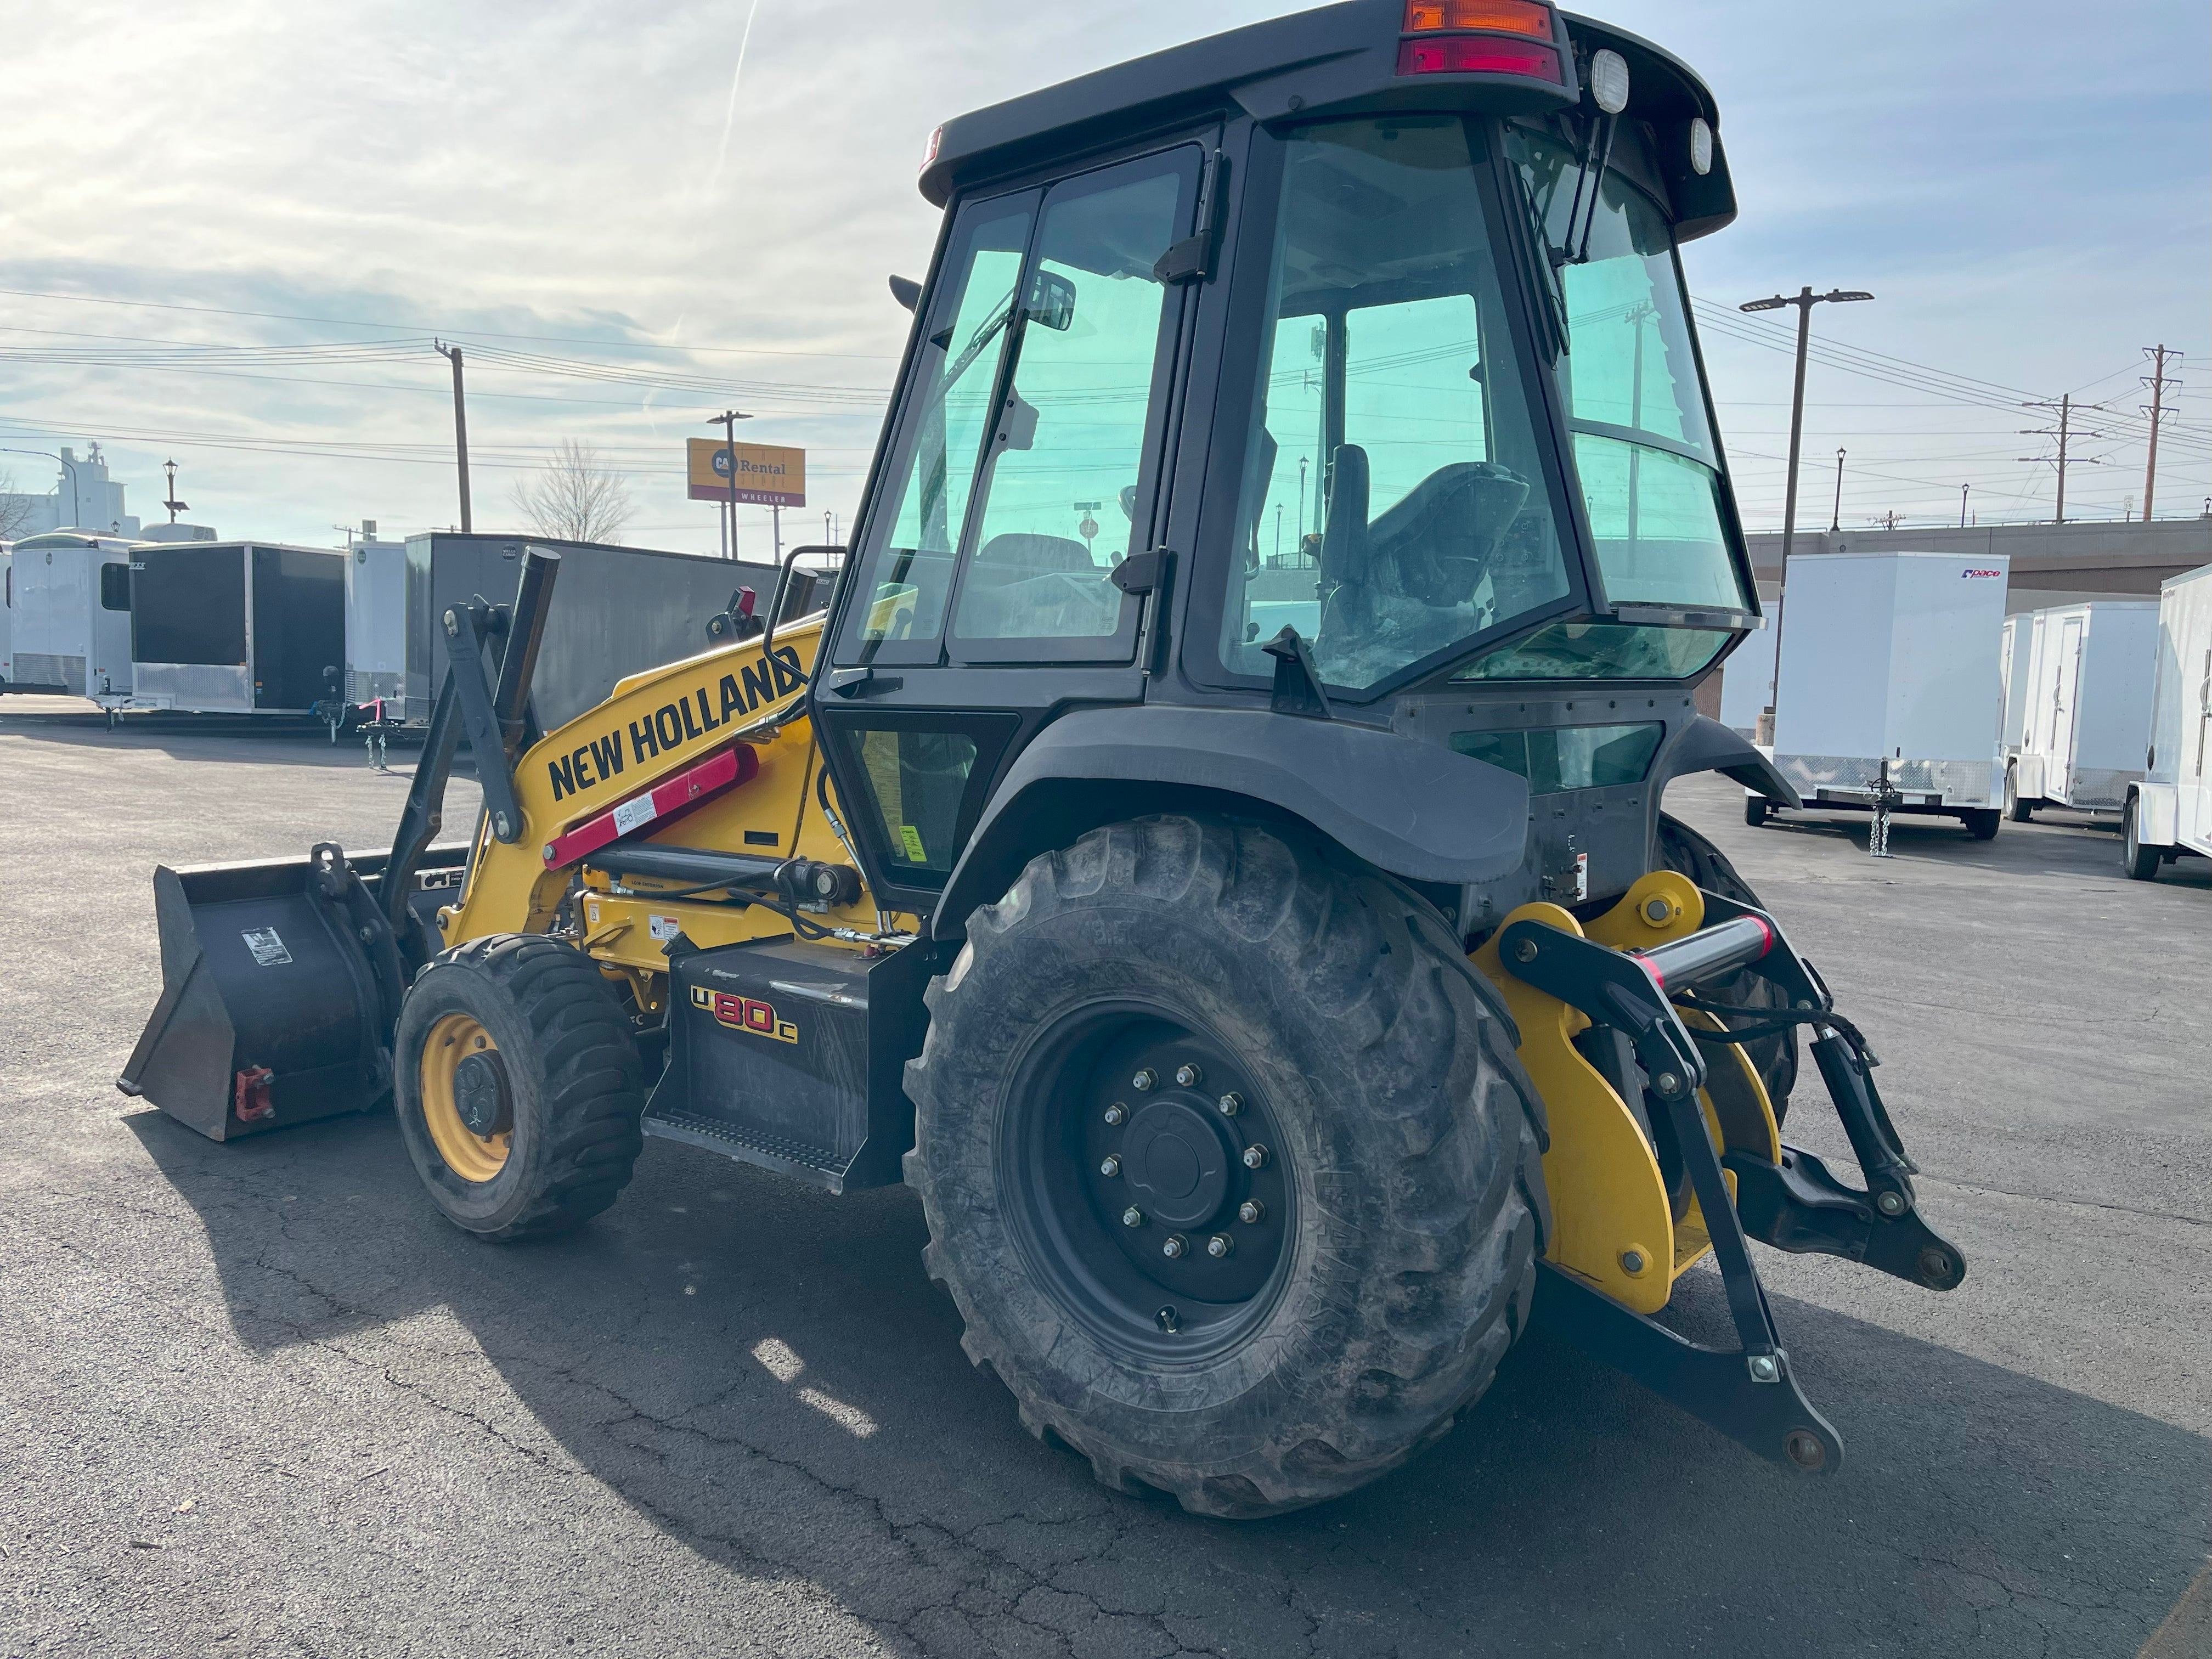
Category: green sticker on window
[910,838]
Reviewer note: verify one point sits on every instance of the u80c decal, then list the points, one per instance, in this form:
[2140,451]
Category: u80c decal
[743,1014]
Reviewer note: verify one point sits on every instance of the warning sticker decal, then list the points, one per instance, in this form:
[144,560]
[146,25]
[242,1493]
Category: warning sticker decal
[268,949]
[664,928]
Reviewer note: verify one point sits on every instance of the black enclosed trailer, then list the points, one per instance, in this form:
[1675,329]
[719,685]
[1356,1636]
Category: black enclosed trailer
[236,627]
[620,611]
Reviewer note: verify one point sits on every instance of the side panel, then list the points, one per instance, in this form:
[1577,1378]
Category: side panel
[2068,634]
[2118,680]
[1835,644]
[376,622]
[2016,655]
[1747,683]
[616,611]
[2191,636]
[298,626]
[1947,678]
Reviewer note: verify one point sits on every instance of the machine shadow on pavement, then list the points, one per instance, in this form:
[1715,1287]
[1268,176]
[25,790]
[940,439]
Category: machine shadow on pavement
[767,1376]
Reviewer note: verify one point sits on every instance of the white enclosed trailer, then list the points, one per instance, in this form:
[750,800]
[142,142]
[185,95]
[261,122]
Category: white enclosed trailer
[1893,657]
[7,617]
[71,615]
[2169,813]
[2087,728]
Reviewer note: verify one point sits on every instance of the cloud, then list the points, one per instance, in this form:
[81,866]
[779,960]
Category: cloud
[2025,191]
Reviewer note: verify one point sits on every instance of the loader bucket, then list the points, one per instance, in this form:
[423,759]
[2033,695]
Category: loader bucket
[280,982]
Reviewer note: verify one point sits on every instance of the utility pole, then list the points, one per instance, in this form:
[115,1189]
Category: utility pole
[1836,520]
[2157,381]
[1804,301]
[452,355]
[1963,491]
[2064,437]
[727,419]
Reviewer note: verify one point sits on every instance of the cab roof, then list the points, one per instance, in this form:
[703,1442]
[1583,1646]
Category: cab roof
[1338,59]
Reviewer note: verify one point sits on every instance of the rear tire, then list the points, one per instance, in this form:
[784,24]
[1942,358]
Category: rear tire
[1392,1262]
[533,1127]
[2019,811]
[2140,862]
[1775,1058]
[1982,824]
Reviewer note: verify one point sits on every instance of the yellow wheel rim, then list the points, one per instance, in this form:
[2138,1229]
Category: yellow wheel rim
[472,1156]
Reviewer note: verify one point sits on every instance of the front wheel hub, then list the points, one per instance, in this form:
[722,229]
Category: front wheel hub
[1143,1219]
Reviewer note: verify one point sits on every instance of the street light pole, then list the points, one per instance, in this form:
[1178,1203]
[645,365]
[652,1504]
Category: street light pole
[727,419]
[1963,491]
[452,355]
[1836,522]
[1804,301]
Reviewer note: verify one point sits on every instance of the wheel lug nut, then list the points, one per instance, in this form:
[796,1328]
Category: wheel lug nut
[1251,1211]
[1144,1080]
[1187,1076]
[1117,1114]
[1255,1157]
[1175,1246]
[1219,1245]
[1230,1104]
[1132,1216]
[1111,1166]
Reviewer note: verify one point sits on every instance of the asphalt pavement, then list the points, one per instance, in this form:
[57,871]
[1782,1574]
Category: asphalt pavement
[260,1398]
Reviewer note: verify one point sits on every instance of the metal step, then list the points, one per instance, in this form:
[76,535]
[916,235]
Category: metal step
[812,1164]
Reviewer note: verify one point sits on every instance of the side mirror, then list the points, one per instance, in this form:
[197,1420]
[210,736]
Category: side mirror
[1053,305]
[905,291]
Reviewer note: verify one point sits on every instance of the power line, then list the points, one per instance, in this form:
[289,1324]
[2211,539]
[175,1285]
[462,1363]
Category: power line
[464,335]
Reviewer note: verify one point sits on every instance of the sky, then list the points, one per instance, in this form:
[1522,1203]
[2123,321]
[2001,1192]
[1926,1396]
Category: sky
[229,234]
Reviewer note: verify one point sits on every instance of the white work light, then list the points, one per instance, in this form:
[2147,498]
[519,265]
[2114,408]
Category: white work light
[1610,82]
[1701,146]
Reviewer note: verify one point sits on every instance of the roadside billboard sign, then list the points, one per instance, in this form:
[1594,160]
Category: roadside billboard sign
[767,475]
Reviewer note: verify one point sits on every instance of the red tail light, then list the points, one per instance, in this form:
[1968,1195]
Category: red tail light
[1478,55]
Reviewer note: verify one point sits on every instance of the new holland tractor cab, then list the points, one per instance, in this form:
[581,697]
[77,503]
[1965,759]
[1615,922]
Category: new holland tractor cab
[1211,845]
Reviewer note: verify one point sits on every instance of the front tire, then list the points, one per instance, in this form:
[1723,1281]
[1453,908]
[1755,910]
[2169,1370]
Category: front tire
[1386,1258]
[1756,811]
[517,1087]
[1982,824]
[2140,862]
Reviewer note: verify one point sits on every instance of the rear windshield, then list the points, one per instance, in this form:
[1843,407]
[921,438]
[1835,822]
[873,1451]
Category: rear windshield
[1395,501]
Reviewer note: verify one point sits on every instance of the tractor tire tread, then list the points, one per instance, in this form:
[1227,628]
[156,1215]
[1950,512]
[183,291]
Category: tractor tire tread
[1451,1261]
[592,1080]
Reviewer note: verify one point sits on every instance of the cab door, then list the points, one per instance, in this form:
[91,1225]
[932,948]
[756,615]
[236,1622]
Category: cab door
[1024,467]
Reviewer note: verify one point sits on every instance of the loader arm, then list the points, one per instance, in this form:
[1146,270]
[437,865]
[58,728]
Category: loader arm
[712,757]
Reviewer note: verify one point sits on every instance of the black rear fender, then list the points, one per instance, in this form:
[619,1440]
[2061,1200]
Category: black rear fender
[1410,809]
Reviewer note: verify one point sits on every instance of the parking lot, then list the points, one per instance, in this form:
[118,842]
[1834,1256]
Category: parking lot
[261,1398]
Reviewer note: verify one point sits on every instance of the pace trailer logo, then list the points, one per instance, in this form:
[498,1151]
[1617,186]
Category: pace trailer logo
[1969,575]
[743,1014]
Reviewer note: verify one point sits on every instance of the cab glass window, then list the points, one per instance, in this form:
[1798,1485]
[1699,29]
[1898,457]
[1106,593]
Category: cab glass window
[906,570]
[1396,499]
[1063,478]
[1644,450]
[1557,759]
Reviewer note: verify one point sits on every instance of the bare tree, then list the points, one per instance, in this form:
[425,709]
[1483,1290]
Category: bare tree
[16,511]
[575,498]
